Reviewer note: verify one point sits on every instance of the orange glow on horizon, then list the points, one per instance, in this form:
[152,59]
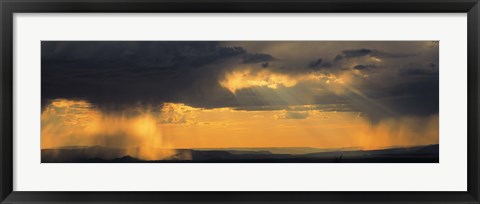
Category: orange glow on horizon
[154,133]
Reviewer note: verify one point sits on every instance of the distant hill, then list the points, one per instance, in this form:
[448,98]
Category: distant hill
[97,154]
[277,150]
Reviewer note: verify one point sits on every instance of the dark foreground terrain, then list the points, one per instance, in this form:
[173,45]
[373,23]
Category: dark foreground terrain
[96,154]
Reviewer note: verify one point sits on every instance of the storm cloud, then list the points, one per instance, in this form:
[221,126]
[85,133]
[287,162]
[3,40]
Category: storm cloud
[355,53]
[246,75]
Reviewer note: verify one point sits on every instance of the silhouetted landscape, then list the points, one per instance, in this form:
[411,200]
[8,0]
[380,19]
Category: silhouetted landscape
[98,154]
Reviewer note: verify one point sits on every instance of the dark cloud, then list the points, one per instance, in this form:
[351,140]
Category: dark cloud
[330,107]
[338,58]
[356,53]
[116,74]
[316,62]
[417,70]
[363,67]
[419,97]
[256,58]
[319,64]
[414,96]
[141,53]
[112,73]
[381,54]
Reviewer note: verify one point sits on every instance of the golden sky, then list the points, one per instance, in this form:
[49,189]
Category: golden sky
[175,125]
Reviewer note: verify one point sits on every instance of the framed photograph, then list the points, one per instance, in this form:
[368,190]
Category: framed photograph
[203,101]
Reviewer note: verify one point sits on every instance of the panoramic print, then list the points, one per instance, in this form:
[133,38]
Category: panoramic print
[240,101]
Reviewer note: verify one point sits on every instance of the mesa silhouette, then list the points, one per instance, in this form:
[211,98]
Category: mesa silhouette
[98,154]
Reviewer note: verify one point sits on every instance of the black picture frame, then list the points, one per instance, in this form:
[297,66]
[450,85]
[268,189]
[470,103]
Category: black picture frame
[9,7]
